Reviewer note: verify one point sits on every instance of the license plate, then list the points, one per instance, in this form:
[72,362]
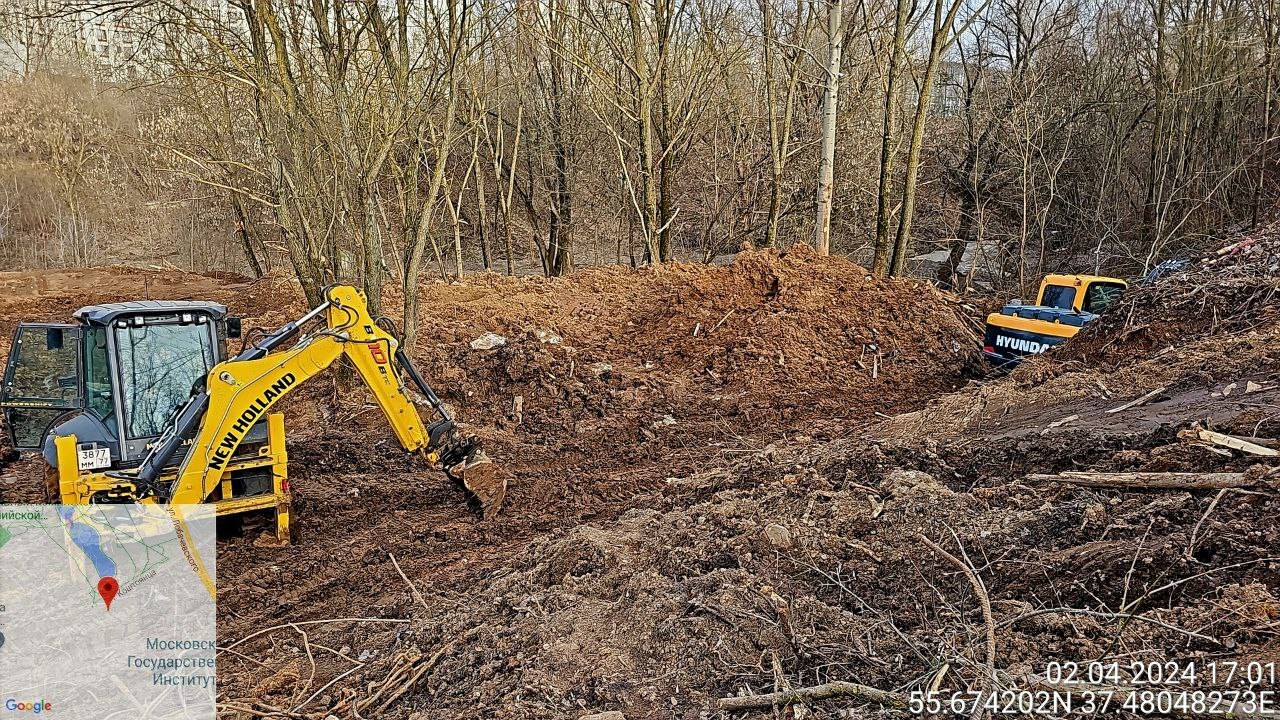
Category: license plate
[94,458]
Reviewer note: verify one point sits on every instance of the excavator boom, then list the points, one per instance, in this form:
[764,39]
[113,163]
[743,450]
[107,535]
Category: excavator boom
[241,391]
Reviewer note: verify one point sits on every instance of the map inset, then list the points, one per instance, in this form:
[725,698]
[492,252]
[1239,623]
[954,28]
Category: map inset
[107,611]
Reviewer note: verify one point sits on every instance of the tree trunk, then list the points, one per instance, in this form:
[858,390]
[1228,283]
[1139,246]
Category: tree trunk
[560,235]
[950,269]
[644,127]
[666,141]
[1269,98]
[902,240]
[775,157]
[1155,167]
[888,138]
[941,38]
[375,270]
[562,218]
[246,235]
[510,191]
[417,250]
[482,220]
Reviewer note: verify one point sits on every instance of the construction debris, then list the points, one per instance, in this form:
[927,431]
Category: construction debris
[488,341]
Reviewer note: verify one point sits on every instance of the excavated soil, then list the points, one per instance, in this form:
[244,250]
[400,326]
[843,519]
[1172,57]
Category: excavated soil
[726,481]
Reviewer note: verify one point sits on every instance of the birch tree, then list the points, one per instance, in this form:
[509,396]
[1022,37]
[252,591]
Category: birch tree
[830,107]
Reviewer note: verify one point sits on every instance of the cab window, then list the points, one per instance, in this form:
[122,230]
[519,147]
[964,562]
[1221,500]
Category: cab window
[97,373]
[1100,295]
[41,381]
[159,366]
[1059,296]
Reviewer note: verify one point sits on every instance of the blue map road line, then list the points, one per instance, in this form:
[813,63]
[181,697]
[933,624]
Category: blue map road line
[86,538]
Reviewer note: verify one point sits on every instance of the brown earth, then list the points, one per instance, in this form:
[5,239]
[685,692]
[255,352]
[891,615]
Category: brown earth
[705,501]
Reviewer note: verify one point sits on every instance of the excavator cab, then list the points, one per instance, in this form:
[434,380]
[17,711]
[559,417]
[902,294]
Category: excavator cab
[112,382]
[1064,304]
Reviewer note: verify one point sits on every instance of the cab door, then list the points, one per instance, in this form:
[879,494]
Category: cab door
[41,381]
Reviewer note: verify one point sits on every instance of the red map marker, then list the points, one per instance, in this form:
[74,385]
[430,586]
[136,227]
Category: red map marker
[107,588]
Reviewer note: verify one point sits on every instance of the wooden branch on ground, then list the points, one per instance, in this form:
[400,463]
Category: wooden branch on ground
[419,668]
[984,601]
[1139,401]
[273,628]
[1109,616]
[1156,480]
[412,588]
[1235,443]
[813,694]
[1195,531]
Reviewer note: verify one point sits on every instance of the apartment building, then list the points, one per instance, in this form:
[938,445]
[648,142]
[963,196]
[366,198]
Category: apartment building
[115,46]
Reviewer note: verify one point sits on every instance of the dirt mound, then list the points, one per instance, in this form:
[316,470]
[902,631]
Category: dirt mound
[685,351]
[609,345]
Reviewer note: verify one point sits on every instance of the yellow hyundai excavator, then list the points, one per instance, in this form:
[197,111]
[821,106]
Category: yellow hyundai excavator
[136,403]
[1064,304]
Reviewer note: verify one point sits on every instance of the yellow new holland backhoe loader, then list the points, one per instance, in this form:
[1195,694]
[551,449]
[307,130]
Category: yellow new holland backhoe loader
[136,403]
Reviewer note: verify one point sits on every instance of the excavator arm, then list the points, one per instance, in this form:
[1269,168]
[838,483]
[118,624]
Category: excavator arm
[239,392]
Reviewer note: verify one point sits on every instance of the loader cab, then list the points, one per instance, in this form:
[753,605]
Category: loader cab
[112,379]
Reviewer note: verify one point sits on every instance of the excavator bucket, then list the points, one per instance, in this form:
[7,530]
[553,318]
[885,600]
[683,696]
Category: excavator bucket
[463,460]
[481,477]
[461,457]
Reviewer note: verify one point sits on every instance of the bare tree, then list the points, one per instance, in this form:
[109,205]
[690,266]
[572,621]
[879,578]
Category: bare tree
[830,106]
[395,142]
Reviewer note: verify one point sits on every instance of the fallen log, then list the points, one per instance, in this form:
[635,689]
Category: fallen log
[1236,443]
[1159,480]
[814,694]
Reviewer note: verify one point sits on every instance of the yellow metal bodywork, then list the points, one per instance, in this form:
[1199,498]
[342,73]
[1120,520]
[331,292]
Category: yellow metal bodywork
[242,393]
[77,488]
[1081,282]
[1043,327]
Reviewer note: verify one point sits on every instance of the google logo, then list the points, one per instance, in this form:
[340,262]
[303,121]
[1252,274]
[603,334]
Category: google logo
[36,707]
